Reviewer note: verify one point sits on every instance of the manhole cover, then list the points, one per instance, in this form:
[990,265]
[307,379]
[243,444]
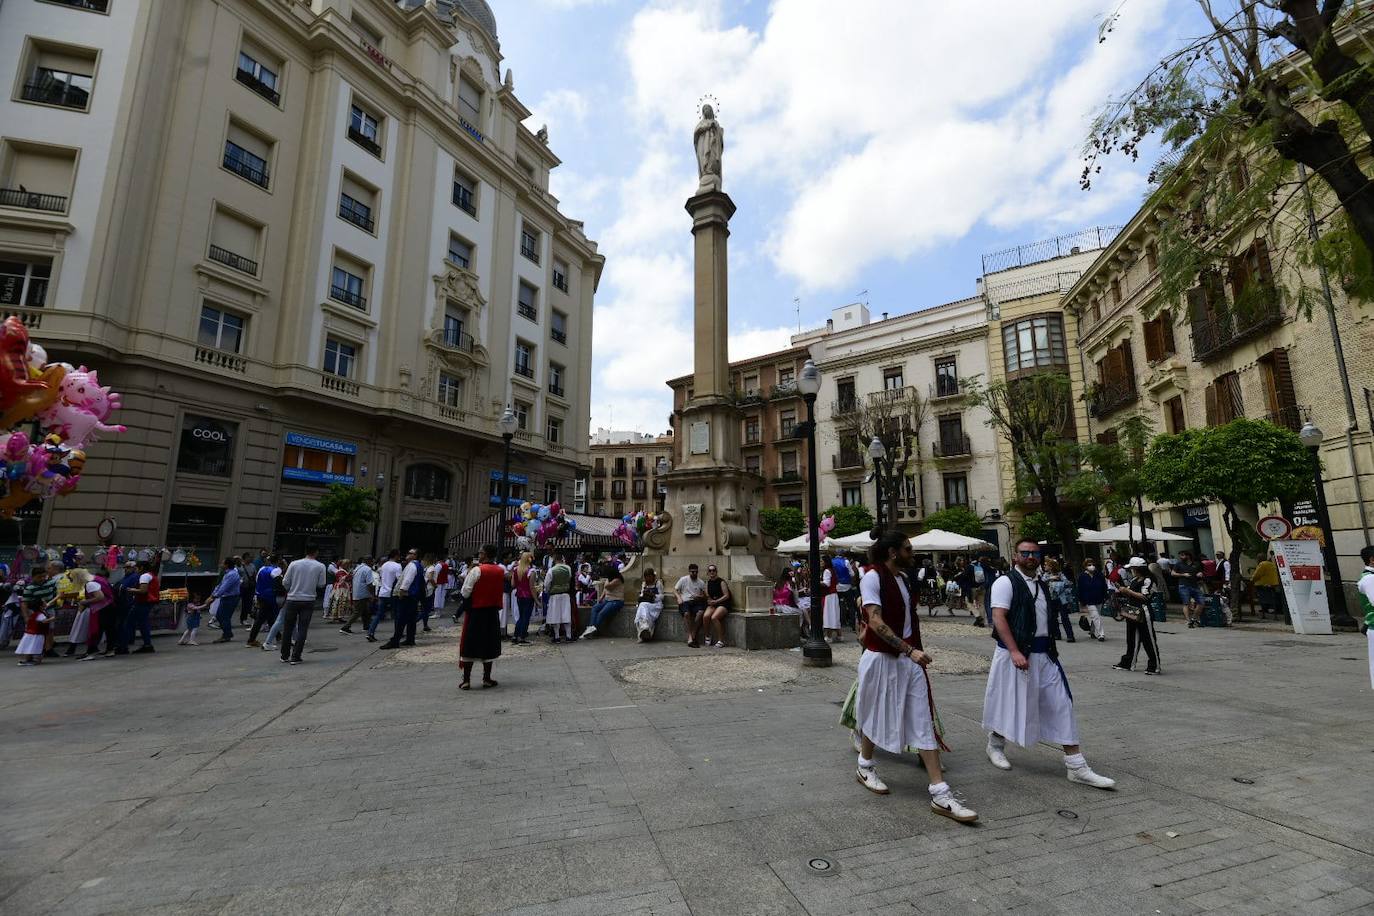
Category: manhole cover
[820,865]
[1066,813]
[1242,780]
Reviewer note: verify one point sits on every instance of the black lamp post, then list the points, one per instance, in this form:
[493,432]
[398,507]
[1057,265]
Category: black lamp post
[508,424]
[1312,436]
[816,651]
[877,451]
[377,509]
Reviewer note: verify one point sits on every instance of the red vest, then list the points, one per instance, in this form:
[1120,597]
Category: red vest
[490,587]
[894,615]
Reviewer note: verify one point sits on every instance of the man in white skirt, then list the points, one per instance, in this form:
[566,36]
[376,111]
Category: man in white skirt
[1028,698]
[893,705]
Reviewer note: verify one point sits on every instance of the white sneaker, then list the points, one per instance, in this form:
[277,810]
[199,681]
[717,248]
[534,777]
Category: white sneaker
[854,737]
[1087,777]
[998,757]
[588,632]
[868,778]
[948,804]
[719,644]
[268,647]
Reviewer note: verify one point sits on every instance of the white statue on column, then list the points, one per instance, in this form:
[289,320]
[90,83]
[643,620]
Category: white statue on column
[709,140]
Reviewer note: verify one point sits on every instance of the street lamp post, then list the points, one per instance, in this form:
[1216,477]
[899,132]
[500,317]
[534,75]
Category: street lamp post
[1312,436]
[508,424]
[816,652]
[377,508]
[877,451]
[662,468]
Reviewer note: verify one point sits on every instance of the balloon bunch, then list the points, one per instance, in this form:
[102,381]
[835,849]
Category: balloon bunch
[67,406]
[539,523]
[633,527]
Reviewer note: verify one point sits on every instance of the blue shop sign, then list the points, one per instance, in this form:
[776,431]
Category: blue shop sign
[1196,517]
[310,476]
[322,445]
[514,478]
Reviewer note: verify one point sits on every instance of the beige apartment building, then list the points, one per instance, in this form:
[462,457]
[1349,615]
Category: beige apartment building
[770,408]
[310,241]
[625,471]
[1202,364]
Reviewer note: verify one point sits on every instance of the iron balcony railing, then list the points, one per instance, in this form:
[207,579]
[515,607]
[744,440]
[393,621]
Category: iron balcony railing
[348,297]
[236,160]
[56,92]
[556,390]
[358,214]
[462,199]
[844,405]
[527,311]
[559,336]
[363,140]
[1113,395]
[943,389]
[29,200]
[252,82]
[1216,334]
[524,370]
[529,248]
[236,261]
[847,459]
[952,447]
[1291,417]
[560,280]
[458,339]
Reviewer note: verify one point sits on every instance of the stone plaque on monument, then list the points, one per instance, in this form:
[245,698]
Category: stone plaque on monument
[691,518]
[700,438]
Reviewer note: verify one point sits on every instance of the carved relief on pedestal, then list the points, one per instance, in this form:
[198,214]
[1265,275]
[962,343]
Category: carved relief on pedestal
[691,518]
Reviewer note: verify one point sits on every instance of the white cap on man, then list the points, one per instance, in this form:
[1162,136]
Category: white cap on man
[1137,561]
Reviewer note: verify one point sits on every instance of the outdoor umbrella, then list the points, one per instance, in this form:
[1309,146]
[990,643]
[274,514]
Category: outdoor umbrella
[937,540]
[860,541]
[1125,532]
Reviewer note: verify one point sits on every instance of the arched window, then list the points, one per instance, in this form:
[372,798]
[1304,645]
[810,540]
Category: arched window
[428,481]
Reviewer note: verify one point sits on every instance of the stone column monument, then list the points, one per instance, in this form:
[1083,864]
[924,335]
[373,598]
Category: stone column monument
[712,502]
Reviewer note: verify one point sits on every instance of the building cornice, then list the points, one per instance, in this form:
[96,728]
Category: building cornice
[906,348]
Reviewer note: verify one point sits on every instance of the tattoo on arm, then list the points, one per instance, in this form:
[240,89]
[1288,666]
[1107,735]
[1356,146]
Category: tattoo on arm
[884,632]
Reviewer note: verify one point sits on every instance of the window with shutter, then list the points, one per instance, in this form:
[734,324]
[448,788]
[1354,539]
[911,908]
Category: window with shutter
[1174,411]
[1127,366]
[1210,396]
[1166,334]
[1152,340]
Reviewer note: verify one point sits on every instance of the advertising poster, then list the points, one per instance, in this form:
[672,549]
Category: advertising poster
[1304,585]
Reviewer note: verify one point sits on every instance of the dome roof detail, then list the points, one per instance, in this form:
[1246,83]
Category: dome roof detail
[480,12]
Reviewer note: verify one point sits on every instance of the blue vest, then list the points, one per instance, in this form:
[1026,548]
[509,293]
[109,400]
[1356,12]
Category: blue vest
[841,569]
[417,588]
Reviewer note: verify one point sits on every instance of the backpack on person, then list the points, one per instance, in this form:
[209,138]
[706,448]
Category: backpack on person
[1209,569]
[979,577]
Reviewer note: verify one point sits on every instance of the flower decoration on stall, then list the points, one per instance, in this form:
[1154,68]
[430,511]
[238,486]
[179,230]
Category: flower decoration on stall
[68,408]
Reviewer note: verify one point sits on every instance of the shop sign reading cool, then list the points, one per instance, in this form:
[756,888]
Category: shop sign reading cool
[312,459]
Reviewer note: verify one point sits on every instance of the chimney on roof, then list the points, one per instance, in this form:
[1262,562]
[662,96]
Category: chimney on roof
[830,324]
[884,316]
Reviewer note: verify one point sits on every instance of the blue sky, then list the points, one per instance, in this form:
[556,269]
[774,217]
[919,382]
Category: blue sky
[879,145]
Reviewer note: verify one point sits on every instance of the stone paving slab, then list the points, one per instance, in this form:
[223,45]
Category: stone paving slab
[214,780]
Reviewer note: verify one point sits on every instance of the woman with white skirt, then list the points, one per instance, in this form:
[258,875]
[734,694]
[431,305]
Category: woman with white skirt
[558,585]
[830,610]
[650,605]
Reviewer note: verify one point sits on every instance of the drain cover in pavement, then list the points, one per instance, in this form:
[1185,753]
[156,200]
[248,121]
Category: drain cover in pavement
[1242,780]
[820,866]
[1066,813]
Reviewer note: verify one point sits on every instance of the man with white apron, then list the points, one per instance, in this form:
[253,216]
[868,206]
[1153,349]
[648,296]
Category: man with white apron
[1367,603]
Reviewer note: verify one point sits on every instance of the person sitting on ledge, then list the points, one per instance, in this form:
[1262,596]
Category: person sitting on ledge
[650,605]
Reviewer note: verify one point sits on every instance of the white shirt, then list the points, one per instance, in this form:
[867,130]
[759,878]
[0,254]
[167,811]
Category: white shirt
[391,571]
[1366,584]
[871,593]
[827,577]
[688,588]
[304,579]
[407,579]
[657,591]
[470,580]
[1001,597]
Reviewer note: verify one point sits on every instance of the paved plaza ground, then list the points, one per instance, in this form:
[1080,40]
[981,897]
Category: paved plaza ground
[607,777]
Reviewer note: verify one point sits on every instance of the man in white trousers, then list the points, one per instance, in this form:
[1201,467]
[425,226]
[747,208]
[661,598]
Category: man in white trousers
[1028,698]
[1367,603]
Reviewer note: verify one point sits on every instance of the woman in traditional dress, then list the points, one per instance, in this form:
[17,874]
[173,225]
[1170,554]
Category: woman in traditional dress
[480,639]
[650,605]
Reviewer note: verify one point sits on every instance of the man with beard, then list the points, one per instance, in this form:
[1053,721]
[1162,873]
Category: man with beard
[893,705]
[1028,698]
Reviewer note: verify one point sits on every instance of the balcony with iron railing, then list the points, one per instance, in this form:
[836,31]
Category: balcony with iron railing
[560,280]
[359,214]
[752,437]
[363,140]
[1291,417]
[556,390]
[784,390]
[457,339]
[942,389]
[1214,335]
[842,406]
[525,370]
[57,92]
[559,336]
[462,199]
[847,459]
[348,297]
[247,78]
[952,446]
[529,247]
[527,311]
[787,478]
[29,200]
[236,160]
[1112,395]
[236,261]
[786,431]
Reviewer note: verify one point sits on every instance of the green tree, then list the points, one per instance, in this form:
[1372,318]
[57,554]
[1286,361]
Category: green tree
[1112,475]
[1035,415]
[345,510]
[784,523]
[956,519]
[1244,463]
[1267,111]
[1036,527]
[849,520]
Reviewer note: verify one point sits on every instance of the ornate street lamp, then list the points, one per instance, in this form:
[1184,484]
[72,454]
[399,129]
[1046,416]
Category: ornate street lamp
[877,451]
[1312,437]
[508,424]
[816,652]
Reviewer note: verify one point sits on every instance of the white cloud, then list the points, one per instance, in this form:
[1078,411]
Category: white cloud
[856,138]
[559,110]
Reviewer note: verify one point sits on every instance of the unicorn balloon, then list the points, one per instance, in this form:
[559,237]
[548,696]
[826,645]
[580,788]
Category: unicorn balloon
[81,410]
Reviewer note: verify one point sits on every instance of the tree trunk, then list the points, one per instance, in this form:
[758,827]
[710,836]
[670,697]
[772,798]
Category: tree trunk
[1343,78]
[1068,536]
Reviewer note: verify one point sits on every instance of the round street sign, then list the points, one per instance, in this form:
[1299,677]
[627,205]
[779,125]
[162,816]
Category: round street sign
[1273,527]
